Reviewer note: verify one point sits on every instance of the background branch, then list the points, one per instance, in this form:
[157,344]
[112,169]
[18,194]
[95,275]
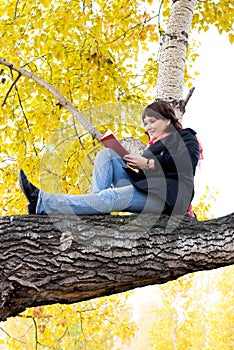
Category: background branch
[62,100]
[9,91]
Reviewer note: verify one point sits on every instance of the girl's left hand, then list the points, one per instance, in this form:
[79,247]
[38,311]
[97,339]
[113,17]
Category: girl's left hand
[136,162]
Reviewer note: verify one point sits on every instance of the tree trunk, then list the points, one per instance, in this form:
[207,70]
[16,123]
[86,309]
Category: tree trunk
[46,260]
[170,81]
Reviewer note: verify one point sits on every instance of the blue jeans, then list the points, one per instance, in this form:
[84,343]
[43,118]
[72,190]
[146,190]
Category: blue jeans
[122,196]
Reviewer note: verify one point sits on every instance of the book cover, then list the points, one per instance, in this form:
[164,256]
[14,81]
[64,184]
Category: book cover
[110,141]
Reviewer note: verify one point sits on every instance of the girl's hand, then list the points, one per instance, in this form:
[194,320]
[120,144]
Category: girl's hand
[135,162]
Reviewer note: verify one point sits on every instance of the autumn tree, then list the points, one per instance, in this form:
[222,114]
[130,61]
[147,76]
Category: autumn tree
[89,51]
[103,323]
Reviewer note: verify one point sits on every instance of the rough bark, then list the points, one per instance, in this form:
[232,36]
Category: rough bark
[46,260]
[170,81]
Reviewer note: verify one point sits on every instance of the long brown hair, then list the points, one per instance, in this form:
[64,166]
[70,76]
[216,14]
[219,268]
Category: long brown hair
[163,110]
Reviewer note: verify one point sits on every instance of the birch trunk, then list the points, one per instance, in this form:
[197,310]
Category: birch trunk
[173,53]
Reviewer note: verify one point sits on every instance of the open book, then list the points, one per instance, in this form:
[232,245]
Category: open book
[110,141]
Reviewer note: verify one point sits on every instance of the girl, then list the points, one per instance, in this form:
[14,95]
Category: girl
[161,180]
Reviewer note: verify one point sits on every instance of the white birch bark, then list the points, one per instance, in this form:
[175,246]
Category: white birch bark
[172,55]
[62,100]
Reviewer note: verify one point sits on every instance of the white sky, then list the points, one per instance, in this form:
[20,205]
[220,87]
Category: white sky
[210,112]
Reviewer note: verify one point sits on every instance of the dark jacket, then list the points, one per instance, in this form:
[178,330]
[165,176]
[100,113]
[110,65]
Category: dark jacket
[176,157]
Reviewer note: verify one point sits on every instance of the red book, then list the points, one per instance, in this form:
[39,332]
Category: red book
[110,141]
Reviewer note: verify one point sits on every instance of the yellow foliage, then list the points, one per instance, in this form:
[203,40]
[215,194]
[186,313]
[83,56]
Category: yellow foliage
[90,67]
[218,13]
[196,312]
[92,55]
[203,208]
[91,52]
[97,324]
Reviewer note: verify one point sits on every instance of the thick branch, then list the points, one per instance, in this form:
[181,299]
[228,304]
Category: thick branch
[45,260]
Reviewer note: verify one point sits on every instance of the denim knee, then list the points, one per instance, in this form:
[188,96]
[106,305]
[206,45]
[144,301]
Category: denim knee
[107,200]
[107,154]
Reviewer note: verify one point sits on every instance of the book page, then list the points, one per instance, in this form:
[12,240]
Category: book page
[110,141]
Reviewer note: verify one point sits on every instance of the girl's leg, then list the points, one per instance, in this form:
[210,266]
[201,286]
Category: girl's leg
[108,170]
[126,198]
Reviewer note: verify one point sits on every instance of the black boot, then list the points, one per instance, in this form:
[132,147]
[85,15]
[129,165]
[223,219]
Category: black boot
[30,191]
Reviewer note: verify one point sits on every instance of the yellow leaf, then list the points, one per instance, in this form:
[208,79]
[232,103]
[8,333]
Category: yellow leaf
[231,38]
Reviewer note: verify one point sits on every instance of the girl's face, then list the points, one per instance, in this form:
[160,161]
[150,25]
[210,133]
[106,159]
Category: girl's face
[155,127]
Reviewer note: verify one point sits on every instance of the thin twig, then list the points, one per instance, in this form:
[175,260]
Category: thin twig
[36,333]
[9,91]
[63,335]
[45,168]
[130,29]
[3,330]
[159,28]
[82,329]
[79,138]
[15,12]
[159,12]
[22,108]
[25,118]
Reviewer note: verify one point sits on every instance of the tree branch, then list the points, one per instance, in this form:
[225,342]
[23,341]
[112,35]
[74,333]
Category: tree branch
[123,35]
[26,119]
[187,98]
[60,259]
[11,87]
[62,100]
